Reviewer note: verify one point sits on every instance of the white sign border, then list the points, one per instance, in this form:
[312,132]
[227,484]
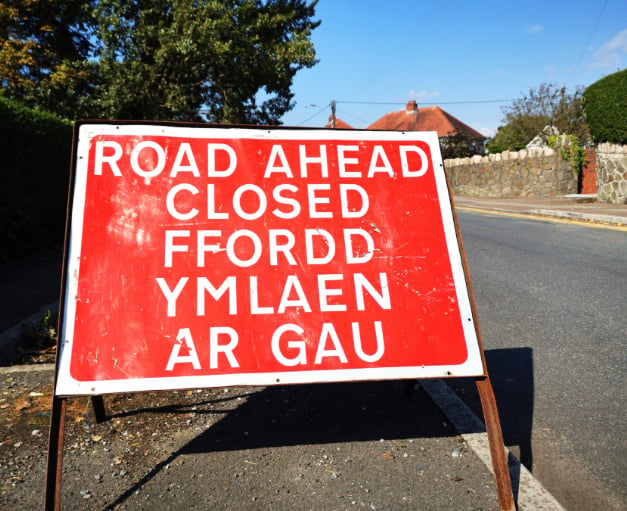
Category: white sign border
[68,386]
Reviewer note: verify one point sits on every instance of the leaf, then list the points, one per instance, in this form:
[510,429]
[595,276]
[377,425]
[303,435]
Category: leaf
[22,404]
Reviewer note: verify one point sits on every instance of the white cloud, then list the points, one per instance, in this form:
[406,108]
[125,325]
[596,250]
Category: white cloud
[534,29]
[484,130]
[611,54]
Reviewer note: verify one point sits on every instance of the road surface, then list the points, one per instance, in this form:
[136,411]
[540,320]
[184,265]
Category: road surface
[551,306]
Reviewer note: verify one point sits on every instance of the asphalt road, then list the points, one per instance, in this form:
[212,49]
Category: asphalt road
[551,306]
[550,300]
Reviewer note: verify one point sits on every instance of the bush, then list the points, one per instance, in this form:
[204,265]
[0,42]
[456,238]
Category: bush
[36,150]
[511,137]
[542,106]
[605,108]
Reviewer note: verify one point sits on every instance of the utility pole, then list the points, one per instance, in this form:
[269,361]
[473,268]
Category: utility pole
[332,113]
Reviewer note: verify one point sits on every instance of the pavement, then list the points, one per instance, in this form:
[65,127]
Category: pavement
[583,208]
[32,287]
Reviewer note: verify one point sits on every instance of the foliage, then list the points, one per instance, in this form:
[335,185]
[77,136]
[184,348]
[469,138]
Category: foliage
[459,146]
[516,134]
[546,105]
[605,108]
[570,150]
[233,59]
[44,50]
[43,334]
[216,60]
[36,149]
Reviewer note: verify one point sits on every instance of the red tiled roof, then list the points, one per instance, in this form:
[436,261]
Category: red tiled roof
[339,124]
[431,118]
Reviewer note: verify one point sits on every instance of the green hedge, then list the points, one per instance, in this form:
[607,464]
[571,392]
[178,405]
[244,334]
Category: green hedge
[605,108]
[35,149]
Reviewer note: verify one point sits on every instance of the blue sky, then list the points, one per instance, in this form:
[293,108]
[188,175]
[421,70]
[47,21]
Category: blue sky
[462,55]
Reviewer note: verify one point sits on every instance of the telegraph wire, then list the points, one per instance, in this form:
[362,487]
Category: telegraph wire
[583,51]
[348,114]
[328,105]
[398,103]
[394,103]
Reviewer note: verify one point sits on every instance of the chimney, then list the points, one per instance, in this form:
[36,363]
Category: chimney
[411,106]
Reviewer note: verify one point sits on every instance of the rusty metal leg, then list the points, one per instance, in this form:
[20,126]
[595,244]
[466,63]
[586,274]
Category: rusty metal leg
[100,412]
[497,447]
[55,454]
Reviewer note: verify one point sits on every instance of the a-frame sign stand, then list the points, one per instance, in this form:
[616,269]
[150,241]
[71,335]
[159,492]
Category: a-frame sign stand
[382,178]
[498,453]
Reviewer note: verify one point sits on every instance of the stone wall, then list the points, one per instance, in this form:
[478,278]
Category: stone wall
[612,173]
[525,173]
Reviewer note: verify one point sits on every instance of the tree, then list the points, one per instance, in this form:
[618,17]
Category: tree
[606,109]
[44,50]
[546,105]
[217,60]
[460,145]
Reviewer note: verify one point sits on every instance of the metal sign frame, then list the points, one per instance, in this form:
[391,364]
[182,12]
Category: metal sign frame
[455,289]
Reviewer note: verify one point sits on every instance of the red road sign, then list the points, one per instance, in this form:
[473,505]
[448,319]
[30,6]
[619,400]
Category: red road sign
[204,256]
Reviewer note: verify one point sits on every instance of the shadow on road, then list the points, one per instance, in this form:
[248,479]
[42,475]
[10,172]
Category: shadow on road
[323,413]
[314,414]
[511,373]
[358,412]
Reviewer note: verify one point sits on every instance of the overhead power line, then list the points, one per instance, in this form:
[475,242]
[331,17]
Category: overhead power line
[344,113]
[314,115]
[395,103]
[427,102]
[594,28]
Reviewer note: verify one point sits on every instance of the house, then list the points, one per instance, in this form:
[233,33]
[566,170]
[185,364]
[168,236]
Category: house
[338,124]
[456,138]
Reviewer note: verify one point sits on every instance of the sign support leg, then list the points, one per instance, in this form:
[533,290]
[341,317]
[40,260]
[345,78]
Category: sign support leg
[486,394]
[497,447]
[55,454]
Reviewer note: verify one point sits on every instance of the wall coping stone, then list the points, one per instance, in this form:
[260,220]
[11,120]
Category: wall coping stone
[609,148]
[536,152]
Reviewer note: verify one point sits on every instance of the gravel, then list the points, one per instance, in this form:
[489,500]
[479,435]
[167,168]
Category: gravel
[327,446]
